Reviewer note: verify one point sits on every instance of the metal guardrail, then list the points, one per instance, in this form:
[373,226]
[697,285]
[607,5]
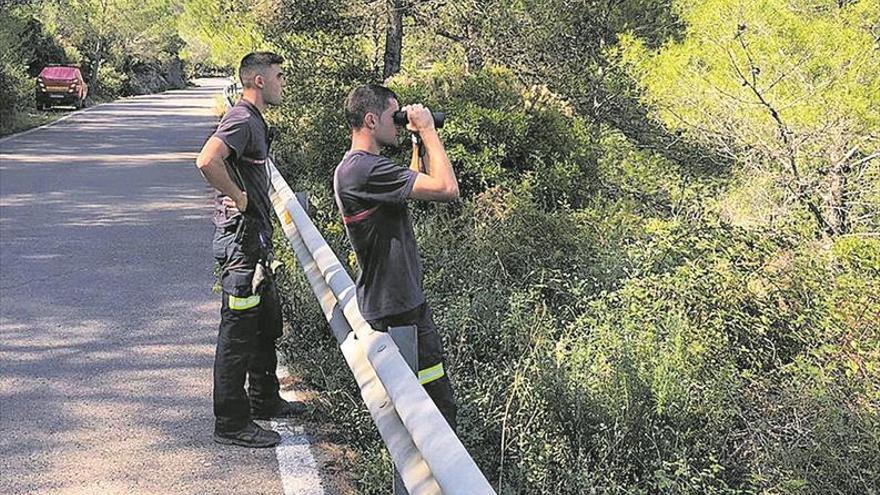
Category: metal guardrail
[427,453]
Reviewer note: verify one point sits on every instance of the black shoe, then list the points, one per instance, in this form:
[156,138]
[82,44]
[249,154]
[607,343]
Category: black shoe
[282,409]
[251,435]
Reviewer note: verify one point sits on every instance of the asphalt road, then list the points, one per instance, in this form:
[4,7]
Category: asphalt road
[107,320]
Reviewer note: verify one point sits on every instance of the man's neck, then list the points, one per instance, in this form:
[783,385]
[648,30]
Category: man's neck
[364,142]
[254,98]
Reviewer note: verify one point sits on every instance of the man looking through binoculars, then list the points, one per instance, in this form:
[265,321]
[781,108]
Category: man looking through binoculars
[371,193]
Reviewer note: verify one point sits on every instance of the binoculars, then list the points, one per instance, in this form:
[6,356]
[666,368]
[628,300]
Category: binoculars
[400,118]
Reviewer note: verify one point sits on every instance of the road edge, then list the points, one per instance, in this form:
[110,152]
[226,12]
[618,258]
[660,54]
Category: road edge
[87,109]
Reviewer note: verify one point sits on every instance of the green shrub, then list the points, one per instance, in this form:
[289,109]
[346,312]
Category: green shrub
[16,86]
[729,370]
[16,91]
[112,82]
[496,129]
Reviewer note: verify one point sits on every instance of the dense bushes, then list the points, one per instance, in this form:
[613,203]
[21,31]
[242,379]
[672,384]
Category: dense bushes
[497,131]
[16,85]
[17,90]
[722,351]
[607,331]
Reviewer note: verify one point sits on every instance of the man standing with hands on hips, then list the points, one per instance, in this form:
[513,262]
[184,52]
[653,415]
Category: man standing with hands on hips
[233,161]
[371,193]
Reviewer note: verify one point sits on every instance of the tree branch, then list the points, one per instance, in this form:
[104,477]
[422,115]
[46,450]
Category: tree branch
[800,190]
[865,160]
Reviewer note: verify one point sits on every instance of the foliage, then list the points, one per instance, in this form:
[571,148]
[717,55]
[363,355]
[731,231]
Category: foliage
[25,47]
[631,340]
[16,87]
[112,81]
[496,129]
[219,33]
[788,89]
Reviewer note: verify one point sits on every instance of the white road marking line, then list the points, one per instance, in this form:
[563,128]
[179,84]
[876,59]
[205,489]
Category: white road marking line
[296,464]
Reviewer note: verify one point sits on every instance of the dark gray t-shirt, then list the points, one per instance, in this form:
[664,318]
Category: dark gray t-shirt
[239,247]
[371,193]
[245,132]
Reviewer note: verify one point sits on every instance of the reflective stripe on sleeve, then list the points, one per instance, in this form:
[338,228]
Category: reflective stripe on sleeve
[242,303]
[428,375]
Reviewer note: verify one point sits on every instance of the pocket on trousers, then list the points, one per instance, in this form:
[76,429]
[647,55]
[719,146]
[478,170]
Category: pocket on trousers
[248,237]
[223,238]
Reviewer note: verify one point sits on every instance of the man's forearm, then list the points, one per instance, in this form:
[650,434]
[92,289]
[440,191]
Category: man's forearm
[215,173]
[436,161]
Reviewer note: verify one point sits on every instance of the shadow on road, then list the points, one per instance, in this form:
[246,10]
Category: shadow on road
[108,322]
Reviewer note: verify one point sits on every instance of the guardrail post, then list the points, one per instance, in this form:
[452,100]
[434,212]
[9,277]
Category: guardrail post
[407,340]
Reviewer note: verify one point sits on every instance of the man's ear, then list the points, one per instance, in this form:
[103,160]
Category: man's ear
[258,81]
[370,120]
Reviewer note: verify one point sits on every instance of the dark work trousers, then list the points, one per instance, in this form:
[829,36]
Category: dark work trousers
[432,374]
[246,347]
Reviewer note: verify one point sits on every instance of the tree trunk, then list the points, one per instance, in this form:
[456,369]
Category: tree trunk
[393,38]
[97,61]
[836,200]
[474,53]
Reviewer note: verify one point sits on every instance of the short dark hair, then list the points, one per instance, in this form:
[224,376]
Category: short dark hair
[369,98]
[255,63]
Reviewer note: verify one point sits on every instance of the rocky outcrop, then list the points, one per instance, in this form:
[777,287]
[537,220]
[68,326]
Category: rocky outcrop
[147,78]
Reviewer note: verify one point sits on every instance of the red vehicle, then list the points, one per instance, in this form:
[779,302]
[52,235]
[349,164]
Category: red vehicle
[61,85]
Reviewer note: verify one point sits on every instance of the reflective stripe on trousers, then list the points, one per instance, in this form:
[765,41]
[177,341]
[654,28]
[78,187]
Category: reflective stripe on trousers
[428,375]
[242,303]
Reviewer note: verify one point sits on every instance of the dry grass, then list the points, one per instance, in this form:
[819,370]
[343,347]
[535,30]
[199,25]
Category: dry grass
[28,120]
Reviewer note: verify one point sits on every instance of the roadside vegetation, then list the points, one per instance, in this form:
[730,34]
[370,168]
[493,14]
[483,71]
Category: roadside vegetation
[664,276]
[664,273]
